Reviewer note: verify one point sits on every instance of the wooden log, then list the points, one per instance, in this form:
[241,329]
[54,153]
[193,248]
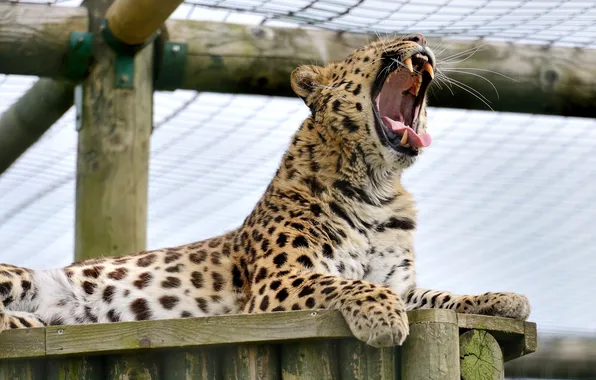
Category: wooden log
[113,154]
[198,364]
[251,362]
[21,352]
[359,361]
[134,21]
[431,351]
[310,360]
[258,60]
[34,38]
[31,116]
[480,356]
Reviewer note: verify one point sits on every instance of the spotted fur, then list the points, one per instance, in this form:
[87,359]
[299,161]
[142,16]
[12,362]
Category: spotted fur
[333,230]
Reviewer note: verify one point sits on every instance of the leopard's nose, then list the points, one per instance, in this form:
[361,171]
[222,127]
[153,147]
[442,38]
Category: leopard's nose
[418,38]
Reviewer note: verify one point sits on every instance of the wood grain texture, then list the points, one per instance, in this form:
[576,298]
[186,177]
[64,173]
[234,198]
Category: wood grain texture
[22,343]
[21,369]
[310,360]
[31,116]
[134,21]
[258,60]
[132,367]
[75,368]
[191,332]
[34,38]
[196,364]
[431,351]
[480,356]
[251,362]
[359,361]
[113,155]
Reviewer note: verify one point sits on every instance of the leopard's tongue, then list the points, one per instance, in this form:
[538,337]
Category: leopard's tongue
[415,140]
[396,108]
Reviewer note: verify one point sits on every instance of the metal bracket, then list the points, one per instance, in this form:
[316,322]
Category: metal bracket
[78,56]
[172,66]
[125,55]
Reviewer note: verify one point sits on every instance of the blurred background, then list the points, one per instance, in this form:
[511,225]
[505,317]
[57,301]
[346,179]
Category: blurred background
[506,200]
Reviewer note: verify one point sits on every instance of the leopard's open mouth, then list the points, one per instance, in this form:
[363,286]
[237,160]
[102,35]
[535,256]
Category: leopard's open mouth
[398,95]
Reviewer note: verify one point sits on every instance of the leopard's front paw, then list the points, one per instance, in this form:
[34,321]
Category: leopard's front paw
[379,320]
[508,305]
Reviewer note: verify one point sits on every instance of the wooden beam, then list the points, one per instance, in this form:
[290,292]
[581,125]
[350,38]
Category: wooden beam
[134,21]
[31,116]
[34,38]
[113,153]
[258,60]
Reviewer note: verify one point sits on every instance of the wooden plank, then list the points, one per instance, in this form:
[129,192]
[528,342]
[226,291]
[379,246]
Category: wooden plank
[113,154]
[134,21]
[192,332]
[22,369]
[22,343]
[258,60]
[251,362]
[359,361]
[480,356]
[132,367]
[197,364]
[31,116]
[431,351]
[34,38]
[310,360]
[79,368]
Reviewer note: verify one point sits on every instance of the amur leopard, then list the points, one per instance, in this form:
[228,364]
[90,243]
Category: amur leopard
[333,230]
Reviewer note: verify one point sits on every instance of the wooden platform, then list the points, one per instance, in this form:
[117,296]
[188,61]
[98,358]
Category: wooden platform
[290,345]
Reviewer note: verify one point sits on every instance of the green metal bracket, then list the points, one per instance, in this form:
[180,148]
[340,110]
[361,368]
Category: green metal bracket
[172,66]
[78,56]
[125,55]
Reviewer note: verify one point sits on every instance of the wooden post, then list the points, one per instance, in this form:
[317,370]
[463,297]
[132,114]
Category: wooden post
[31,116]
[431,351]
[113,153]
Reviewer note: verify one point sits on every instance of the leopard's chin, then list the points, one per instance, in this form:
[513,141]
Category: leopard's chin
[398,97]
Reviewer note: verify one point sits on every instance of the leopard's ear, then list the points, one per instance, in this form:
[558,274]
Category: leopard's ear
[307,78]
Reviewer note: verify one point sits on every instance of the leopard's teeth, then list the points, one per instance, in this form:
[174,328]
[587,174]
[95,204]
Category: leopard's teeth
[388,77]
[408,63]
[429,69]
[404,139]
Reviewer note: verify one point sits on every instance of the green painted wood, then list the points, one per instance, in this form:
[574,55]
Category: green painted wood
[310,360]
[431,351]
[359,361]
[75,368]
[198,364]
[22,369]
[132,367]
[251,362]
[480,356]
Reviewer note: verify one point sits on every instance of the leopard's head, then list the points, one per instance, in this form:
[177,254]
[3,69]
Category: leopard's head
[375,100]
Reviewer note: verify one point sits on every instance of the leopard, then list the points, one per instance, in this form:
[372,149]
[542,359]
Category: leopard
[333,230]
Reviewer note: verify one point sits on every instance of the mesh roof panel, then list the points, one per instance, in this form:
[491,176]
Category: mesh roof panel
[505,200]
